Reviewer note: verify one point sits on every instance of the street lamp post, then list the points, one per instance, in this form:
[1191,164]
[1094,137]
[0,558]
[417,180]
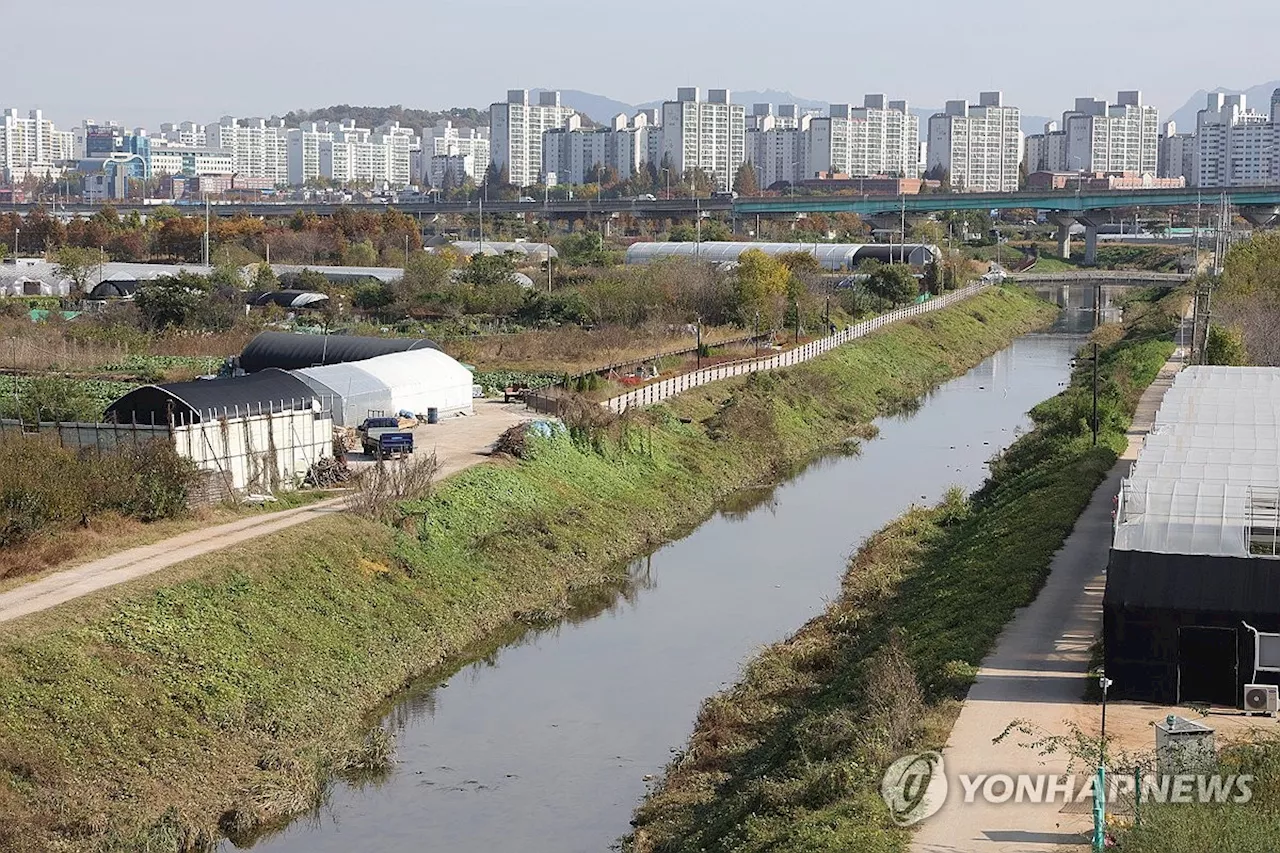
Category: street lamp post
[16,232]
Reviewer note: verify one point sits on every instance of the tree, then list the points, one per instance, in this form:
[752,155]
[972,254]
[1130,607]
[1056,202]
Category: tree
[265,278]
[361,254]
[584,248]
[77,264]
[171,301]
[760,288]
[745,181]
[893,283]
[1225,345]
[489,269]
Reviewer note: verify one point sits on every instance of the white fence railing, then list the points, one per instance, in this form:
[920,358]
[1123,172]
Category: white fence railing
[659,391]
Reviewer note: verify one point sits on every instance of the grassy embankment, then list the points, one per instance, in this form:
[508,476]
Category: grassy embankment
[790,759]
[225,693]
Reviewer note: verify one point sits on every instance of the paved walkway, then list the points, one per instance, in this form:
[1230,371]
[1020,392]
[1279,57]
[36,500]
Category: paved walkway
[1037,673]
[458,443]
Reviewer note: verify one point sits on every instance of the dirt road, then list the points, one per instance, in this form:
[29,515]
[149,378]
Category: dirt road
[458,443]
[1037,673]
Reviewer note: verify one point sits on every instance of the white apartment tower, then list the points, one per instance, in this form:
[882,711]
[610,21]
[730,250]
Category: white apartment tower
[445,140]
[515,132]
[31,145]
[260,146]
[1177,154]
[884,138]
[709,135]
[1099,137]
[978,147]
[572,154]
[1236,146]
[777,145]
[1120,137]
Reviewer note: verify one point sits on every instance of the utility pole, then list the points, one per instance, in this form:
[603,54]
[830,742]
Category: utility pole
[206,229]
[1094,420]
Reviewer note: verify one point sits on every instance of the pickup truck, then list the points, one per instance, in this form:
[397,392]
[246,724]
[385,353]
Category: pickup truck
[383,437]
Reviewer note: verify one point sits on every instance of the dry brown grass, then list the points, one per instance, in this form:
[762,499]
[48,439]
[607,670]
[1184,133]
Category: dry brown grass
[105,534]
[573,350]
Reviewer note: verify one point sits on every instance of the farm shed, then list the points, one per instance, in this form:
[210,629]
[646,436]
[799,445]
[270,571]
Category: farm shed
[210,399]
[1191,611]
[414,381]
[290,352]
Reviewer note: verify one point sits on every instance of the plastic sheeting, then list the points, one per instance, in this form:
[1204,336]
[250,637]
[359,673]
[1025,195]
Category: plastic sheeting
[412,381]
[423,379]
[290,352]
[351,394]
[832,256]
[1208,478]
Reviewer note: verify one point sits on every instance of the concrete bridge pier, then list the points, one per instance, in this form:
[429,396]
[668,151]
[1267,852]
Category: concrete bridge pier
[1260,216]
[1064,221]
[1090,240]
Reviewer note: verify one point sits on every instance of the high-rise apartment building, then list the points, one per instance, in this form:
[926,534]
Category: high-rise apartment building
[32,145]
[1237,146]
[185,133]
[884,138]
[515,133]
[260,146]
[977,147]
[777,145]
[709,135]
[573,154]
[1099,137]
[445,140]
[1177,154]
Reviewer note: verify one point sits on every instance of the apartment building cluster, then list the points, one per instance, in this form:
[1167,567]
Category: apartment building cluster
[1235,145]
[1099,137]
[879,138]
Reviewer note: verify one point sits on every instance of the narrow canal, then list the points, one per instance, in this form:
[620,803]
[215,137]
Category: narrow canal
[546,744]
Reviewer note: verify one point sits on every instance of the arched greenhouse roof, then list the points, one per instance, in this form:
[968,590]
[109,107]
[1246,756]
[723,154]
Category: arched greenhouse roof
[832,256]
[290,351]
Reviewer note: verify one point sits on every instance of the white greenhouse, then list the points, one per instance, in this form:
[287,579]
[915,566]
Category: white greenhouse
[413,381]
[832,256]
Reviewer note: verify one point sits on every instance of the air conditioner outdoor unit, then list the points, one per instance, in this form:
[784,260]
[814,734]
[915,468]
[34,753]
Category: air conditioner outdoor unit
[1262,699]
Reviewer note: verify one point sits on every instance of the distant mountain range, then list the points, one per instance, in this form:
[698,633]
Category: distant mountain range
[1257,97]
[601,109]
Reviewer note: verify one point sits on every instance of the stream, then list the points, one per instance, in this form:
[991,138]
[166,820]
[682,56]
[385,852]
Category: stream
[546,744]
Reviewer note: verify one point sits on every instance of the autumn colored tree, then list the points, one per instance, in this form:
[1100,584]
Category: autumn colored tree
[760,288]
[745,181]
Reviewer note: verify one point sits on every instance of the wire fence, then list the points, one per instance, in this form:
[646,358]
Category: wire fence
[658,391]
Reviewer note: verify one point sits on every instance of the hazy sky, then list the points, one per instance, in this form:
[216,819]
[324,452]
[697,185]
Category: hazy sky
[199,61]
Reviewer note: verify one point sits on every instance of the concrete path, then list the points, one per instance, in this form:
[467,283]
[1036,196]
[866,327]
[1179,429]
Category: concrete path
[1037,673]
[458,443]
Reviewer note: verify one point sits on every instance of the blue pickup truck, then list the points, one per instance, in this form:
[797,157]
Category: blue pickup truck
[383,438]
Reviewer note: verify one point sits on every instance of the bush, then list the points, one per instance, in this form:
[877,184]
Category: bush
[45,486]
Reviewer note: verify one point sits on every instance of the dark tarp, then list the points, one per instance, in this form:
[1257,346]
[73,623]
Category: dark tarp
[1151,598]
[292,352]
[114,290]
[206,399]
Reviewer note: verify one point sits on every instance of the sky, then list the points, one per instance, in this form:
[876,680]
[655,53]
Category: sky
[200,61]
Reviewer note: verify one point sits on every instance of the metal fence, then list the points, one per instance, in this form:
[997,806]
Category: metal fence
[659,391]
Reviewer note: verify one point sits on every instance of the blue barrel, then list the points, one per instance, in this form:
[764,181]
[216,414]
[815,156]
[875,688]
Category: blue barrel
[433,416]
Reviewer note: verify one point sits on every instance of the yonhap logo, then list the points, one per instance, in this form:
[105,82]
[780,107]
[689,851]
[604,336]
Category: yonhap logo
[914,787]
